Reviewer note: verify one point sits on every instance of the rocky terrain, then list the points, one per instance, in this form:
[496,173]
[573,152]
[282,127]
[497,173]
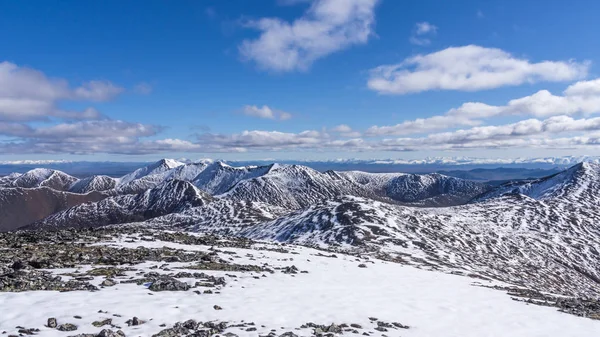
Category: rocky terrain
[127,281]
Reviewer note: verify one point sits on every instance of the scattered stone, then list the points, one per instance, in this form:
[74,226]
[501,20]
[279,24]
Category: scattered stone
[52,323]
[67,327]
[167,283]
[134,322]
[400,326]
[216,307]
[102,323]
[110,333]
[108,283]
[362,265]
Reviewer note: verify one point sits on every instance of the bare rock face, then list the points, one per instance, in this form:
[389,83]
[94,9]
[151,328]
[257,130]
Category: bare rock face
[23,206]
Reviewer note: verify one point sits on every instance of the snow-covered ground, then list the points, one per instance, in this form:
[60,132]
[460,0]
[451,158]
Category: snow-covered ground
[335,290]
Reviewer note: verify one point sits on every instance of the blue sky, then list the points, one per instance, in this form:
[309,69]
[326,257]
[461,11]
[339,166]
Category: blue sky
[298,79]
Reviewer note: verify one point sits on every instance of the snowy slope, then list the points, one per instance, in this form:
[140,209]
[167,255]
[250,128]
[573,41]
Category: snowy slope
[330,290]
[516,239]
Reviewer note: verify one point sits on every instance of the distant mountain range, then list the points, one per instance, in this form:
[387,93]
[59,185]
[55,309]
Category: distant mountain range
[537,232]
[427,165]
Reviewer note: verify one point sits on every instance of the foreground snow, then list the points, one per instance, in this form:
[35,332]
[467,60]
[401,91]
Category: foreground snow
[335,290]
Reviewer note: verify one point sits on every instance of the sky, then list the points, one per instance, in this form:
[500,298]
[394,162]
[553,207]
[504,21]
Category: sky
[298,79]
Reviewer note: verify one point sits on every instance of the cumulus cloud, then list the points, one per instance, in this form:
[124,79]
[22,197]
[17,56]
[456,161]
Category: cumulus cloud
[97,91]
[108,136]
[422,33]
[28,95]
[117,137]
[582,97]
[520,134]
[328,26]
[346,131]
[265,139]
[468,68]
[265,112]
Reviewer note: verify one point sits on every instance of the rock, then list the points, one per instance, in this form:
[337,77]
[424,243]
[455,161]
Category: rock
[356,326]
[288,334]
[67,327]
[108,283]
[399,325]
[167,283]
[190,324]
[102,323]
[362,265]
[334,328]
[30,331]
[216,307]
[134,321]
[110,333]
[52,323]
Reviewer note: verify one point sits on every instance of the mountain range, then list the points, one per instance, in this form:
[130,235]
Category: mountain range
[540,232]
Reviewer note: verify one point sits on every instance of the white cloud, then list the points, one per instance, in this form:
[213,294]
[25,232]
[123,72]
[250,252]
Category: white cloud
[480,14]
[97,91]
[119,137]
[266,139]
[346,131]
[342,128]
[584,88]
[422,33]
[468,68]
[579,98]
[265,112]
[425,28]
[421,125]
[27,94]
[521,134]
[328,26]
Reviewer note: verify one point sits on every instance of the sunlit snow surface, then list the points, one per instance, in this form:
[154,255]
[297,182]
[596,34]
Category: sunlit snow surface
[335,290]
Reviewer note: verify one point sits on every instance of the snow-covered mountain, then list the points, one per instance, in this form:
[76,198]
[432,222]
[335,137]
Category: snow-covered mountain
[538,233]
[94,183]
[160,168]
[169,197]
[41,177]
[293,187]
[548,239]
[579,183]
[418,190]
[218,177]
